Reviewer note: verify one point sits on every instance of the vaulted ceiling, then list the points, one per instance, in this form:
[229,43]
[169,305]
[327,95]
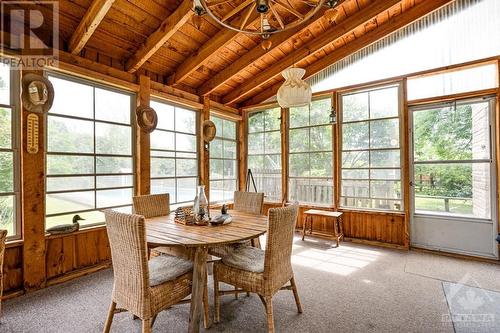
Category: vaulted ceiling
[158,38]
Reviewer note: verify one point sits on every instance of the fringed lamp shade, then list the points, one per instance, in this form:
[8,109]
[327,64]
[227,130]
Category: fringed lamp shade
[294,92]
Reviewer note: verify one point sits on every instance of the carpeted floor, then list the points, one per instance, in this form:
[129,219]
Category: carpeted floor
[353,288]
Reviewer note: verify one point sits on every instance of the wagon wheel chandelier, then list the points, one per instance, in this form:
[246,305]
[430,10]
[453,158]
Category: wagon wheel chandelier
[261,17]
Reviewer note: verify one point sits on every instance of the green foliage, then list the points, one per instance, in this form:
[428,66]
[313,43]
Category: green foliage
[443,134]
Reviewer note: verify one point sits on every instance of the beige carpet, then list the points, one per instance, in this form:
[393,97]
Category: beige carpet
[470,273]
[353,288]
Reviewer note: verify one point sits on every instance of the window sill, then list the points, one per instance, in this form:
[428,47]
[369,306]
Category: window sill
[14,243]
[371,211]
[81,231]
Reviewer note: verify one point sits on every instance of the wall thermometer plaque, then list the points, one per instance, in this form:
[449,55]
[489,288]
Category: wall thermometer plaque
[32,133]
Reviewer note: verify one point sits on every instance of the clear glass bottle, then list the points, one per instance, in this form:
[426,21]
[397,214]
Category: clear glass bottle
[201,213]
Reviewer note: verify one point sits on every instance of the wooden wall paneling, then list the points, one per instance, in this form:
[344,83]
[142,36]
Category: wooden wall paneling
[33,204]
[13,268]
[60,257]
[143,142]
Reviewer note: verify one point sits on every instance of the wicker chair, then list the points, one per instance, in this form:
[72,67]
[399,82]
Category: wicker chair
[262,272]
[248,202]
[152,205]
[142,287]
[3,237]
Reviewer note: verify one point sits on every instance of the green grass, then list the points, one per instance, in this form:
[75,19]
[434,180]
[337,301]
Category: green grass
[60,204]
[457,206]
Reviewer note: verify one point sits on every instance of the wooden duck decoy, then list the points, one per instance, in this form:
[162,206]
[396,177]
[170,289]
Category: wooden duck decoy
[66,228]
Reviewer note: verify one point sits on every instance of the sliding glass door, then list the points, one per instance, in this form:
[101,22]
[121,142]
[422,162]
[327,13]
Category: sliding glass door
[453,184]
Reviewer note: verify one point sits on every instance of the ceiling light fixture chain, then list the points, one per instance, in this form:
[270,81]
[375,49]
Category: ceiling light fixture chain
[275,15]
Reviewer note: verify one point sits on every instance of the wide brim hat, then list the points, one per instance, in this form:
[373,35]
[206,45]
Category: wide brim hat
[147,119]
[37,93]
[209,130]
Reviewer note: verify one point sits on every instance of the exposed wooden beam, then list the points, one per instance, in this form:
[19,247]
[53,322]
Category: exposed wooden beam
[166,30]
[143,142]
[251,56]
[93,17]
[311,47]
[394,24]
[210,48]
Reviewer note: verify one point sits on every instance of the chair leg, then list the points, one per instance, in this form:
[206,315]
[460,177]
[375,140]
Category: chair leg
[109,319]
[216,300]
[296,295]
[146,326]
[269,312]
[206,319]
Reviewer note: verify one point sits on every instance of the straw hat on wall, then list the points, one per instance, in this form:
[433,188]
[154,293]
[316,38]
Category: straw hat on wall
[147,119]
[37,93]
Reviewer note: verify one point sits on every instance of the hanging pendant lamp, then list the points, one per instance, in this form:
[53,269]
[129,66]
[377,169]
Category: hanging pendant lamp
[294,92]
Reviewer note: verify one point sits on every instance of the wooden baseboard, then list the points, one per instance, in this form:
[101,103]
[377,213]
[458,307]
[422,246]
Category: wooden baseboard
[78,273]
[456,255]
[376,243]
[12,294]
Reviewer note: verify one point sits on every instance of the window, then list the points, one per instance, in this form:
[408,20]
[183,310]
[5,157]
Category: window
[174,163]
[371,158]
[89,152]
[454,82]
[310,153]
[9,187]
[264,151]
[452,158]
[223,161]
[462,31]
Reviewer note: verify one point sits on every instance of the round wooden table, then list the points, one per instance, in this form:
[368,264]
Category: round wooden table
[163,231]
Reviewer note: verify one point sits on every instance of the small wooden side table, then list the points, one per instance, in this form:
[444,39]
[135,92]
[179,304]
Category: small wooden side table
[338,232]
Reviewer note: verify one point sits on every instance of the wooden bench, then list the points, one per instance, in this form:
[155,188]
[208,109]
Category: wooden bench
[336,217]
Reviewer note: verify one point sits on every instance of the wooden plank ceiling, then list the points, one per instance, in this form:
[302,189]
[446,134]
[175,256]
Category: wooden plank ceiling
[158,38]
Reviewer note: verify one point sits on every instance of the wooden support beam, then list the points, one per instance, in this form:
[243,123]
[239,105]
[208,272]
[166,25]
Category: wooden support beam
[242,152]
[203,54]
[284,154]
[204,154]
[394,24]
[251,56]
[33,201]
[143,142]
[313,46]
[93,17]
[166,30]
